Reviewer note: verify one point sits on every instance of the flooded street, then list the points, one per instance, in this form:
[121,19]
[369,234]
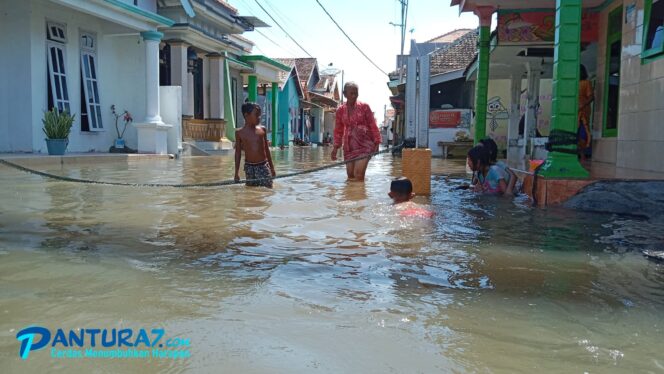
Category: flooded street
[319,275]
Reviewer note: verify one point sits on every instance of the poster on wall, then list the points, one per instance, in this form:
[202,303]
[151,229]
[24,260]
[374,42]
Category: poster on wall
[447,118]
[539,27]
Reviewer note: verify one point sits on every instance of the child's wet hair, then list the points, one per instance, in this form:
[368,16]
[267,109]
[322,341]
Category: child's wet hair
[491,147]
[249,107]
[479,153]
[401,186]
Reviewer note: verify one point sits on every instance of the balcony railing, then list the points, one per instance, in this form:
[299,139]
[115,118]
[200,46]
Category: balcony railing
[203,129]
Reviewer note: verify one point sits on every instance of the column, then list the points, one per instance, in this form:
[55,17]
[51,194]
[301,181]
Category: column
[179,72]
[566,89]
[513,159]
[275,112]
[533,109]
[482,84]
[252,88]
[229,116]
[152,39]
[216,86]
[152,132]
[532,104]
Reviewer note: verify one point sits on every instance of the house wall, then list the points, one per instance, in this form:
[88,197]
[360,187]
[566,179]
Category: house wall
[16,121]
[120,69]
[500,101]
[328,125]
[641,108]
[289,106]
[149,5]
[316,134]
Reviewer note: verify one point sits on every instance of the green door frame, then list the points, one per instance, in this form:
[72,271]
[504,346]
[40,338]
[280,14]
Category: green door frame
[611,38]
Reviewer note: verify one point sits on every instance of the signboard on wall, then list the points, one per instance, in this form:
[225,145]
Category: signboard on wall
[539,27]
[444,119]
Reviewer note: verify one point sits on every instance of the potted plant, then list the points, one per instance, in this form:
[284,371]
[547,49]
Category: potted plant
[57,126]
[126,118]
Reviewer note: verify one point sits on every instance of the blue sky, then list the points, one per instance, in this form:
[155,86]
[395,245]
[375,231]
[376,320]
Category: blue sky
[366,21]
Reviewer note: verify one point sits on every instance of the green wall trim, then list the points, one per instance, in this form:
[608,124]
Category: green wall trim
[252,88]
[241,63]
[267,60]
[152,35]
[229,115]
[610,39]
[482,83]
[275,112]
[142,12]
[595,9]
[565,106]
[648,55]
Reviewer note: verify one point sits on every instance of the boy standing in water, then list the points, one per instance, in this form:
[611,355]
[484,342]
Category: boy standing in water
[252,139]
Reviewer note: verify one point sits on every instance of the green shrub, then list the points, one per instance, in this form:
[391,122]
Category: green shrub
[57,125]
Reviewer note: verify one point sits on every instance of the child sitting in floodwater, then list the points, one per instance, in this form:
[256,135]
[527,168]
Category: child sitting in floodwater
[509,176]
[401,192]
[490,178]
[252,139]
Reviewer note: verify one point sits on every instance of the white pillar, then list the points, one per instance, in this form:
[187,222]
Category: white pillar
[216,85]
[189,109]
[411,97]
[151,39]
[530,122]
[179,73]
[423,103]
[206,87]
[513,127]
[152,132]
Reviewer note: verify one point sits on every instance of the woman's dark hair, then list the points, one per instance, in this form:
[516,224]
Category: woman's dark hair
[583,73]
[479,154]
[401,186]
[492,147]
[249,107]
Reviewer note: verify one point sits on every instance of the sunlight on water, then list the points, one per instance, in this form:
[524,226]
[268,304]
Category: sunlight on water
[320,274]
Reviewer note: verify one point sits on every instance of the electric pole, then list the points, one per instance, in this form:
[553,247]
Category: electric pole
[404,16]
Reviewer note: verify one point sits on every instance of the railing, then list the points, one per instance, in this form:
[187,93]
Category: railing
[203,129]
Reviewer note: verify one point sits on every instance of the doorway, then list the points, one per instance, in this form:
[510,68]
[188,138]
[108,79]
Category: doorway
[612,75]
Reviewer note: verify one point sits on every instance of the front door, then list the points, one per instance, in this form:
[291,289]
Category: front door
[612,75]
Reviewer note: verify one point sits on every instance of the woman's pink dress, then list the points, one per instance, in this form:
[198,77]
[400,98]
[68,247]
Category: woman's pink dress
[357,132]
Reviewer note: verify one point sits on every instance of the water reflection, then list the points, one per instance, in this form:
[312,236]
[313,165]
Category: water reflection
[321,271]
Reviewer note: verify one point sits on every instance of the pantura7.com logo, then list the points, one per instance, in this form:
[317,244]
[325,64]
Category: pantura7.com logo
[102,343]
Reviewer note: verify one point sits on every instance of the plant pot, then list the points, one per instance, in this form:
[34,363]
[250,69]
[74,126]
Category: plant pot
[56,147]
[119,143]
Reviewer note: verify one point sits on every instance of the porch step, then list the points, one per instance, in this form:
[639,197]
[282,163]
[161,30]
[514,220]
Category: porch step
[189,149]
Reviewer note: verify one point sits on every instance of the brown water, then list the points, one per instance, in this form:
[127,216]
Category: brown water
[319,275]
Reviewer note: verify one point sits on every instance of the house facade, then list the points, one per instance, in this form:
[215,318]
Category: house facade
[79,56]
[625,65]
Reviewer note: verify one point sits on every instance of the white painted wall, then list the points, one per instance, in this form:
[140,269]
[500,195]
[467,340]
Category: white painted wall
[16,118]
[149,5]
[121,70]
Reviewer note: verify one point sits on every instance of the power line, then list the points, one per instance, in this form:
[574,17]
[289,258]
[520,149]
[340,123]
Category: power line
[282,29]
[288,50]
[349,38]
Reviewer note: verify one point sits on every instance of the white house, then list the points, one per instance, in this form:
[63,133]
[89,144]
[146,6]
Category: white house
[80,56]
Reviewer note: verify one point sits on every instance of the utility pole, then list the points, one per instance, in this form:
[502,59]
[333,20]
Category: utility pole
[404,16]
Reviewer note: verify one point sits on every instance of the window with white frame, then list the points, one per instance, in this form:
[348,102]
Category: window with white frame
[58,94]
[90,104]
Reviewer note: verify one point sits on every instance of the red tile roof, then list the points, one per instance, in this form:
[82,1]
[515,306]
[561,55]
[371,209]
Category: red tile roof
[450,36]
[457,55]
